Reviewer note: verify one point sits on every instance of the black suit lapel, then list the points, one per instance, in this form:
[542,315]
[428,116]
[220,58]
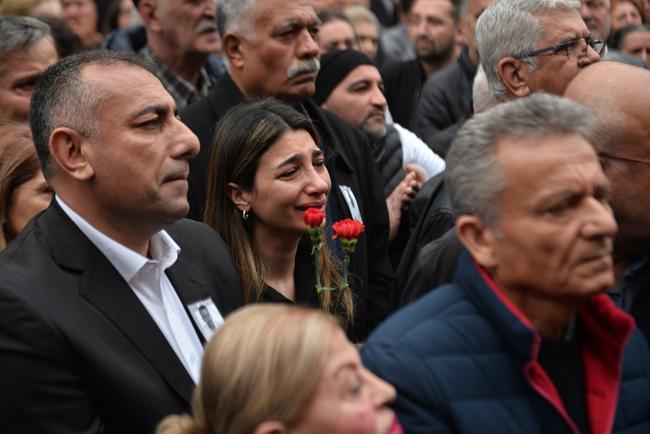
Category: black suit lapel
[105,289]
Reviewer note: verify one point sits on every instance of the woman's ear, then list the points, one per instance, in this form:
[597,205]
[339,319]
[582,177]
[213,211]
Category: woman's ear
[239,197]
[271,427]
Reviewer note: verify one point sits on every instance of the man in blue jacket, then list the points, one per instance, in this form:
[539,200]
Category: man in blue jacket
[525,340]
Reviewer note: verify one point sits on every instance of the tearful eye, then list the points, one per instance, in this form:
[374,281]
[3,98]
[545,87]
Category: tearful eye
[288,174]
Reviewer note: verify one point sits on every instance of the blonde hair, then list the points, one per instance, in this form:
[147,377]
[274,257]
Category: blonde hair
[263,364]
[18,164]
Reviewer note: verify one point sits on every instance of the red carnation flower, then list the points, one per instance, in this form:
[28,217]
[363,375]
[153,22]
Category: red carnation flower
[348,229]
[314,217]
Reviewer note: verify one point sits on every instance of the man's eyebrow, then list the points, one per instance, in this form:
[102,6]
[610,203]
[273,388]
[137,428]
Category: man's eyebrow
[360,81]
[289,23]
[157,109]
[569,38]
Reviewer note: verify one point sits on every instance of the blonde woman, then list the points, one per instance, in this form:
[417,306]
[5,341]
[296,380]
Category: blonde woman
[283,369]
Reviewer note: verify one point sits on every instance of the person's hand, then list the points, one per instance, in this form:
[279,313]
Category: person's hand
[400,199]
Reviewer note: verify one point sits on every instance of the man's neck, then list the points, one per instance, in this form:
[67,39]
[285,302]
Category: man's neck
[549,317]
[130,232]
[279,253]
[185,65]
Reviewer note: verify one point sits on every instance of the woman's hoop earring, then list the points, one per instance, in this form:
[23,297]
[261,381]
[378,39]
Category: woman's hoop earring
[244,215]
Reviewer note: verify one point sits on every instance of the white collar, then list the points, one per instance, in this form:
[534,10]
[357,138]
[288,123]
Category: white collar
[162,248]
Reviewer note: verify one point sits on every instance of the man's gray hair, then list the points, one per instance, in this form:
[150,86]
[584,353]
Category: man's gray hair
[20,32]
[236,16]
[473,176]
[509,28]
[63,99]
[482,98]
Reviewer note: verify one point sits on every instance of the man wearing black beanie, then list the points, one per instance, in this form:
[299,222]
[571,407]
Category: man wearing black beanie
[350,85]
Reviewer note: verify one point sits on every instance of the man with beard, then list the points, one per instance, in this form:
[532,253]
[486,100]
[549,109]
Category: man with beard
[446,101]
[272,52]
[432,26]
[178,38]
[349,84]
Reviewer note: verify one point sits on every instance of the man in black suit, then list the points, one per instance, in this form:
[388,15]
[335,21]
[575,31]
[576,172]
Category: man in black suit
[100,296]
[272,51]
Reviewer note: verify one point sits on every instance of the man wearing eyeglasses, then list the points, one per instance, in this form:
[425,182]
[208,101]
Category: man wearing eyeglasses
[529,46]
[622,141]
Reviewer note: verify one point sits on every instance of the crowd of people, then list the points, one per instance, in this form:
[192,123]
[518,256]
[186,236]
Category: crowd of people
[325,216]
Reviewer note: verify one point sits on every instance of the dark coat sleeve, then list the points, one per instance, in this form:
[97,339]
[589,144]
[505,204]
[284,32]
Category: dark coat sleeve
[433,121]
[435,266]
[38,372]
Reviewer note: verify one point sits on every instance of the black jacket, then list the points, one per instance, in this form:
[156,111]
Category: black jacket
[79,353]
[445,104]
[403,83]
[431,216]
[352,165]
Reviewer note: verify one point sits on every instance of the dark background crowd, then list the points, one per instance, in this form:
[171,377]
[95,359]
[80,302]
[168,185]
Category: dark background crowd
[159,271]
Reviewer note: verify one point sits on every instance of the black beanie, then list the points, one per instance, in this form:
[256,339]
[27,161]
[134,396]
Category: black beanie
[334,67]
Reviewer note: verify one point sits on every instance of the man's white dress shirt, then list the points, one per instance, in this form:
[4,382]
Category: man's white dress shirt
[148,280]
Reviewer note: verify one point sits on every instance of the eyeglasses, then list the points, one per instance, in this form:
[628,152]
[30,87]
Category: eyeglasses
[621,158]
[575,49]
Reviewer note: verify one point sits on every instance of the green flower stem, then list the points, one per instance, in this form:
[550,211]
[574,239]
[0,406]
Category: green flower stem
[316,237]
[346,265]
[319,288]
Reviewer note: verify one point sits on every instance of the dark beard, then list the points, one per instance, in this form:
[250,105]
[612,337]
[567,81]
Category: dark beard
[436,57]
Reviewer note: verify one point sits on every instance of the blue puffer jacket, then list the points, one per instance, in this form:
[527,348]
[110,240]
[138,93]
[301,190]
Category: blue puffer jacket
[464,360]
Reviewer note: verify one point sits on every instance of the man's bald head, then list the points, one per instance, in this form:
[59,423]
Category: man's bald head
[619,96]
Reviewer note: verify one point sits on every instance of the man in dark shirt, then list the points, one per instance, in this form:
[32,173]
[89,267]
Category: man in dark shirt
[432,26]
[446,101]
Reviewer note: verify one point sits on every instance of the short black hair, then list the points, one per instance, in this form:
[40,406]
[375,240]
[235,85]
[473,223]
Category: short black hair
[457,5]
[62,99]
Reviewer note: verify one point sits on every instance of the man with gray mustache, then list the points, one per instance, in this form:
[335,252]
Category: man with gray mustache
[180,36]
[272,52]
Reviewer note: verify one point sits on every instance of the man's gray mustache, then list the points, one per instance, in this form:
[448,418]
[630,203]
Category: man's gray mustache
[308,66]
